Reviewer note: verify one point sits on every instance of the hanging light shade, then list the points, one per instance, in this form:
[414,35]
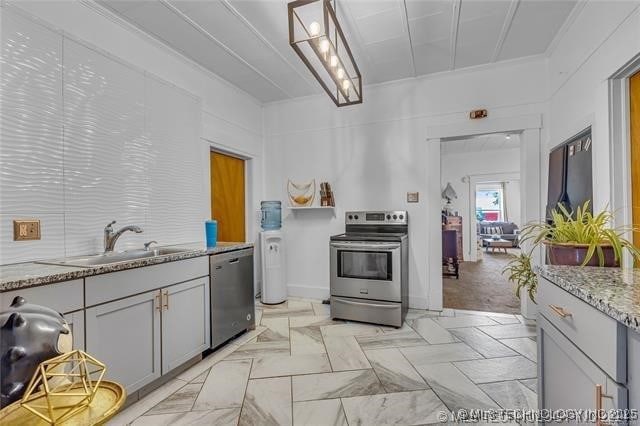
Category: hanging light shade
[316,36]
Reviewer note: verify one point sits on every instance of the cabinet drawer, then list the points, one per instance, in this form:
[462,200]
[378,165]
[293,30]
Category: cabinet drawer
[107,287]
[567,378]
[66,296]
[599,336]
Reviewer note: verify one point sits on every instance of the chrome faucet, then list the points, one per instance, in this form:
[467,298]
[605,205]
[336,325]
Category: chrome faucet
[111,237]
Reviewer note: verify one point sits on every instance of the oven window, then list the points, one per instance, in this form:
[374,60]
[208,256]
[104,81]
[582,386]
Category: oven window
[368,265]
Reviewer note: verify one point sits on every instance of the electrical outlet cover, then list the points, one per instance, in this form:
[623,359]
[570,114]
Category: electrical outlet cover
[26,229]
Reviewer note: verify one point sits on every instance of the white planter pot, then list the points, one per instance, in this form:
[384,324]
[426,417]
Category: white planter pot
[528,308]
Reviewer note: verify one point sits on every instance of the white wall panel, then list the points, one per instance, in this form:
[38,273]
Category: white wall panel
[31,118]
[107,153]
[50,246]
[178,196]
[130,151]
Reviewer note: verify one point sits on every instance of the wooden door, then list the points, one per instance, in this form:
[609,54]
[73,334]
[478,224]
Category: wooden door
[634,102]
[227,196]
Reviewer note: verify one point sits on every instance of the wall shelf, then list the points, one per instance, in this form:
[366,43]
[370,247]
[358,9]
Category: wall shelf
[311,208]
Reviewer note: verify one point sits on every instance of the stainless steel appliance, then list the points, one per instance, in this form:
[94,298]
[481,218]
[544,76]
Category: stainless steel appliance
[232,298]
[369,268]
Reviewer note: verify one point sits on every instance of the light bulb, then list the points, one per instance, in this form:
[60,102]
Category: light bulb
[314,29]
[324,46]
[508,137]
[334,61]
[345,86]
[340,73]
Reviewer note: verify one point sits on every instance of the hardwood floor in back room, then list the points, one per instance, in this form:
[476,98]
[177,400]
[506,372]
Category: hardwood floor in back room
[482,286]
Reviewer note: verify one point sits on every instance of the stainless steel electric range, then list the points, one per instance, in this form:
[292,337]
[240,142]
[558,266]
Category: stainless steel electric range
[369,268]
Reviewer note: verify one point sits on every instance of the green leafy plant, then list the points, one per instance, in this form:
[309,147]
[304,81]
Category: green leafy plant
[520,272]
[582,229]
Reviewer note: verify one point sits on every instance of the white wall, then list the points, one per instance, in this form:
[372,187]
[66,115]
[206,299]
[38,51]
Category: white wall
[484,166]
[151,169]
[601,40]
[374,153]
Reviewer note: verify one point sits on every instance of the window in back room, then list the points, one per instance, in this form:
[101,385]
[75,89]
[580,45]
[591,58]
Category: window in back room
[490,202]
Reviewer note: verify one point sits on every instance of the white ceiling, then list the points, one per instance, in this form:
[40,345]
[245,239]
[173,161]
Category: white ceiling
[246,41]
[491,142]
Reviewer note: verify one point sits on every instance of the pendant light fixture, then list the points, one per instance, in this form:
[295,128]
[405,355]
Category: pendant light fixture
[316,36]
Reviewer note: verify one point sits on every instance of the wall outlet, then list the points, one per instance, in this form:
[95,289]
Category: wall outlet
[26,229]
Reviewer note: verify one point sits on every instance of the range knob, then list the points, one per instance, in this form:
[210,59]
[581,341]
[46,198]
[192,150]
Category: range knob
[388,217]
[395,216]
[356,217]
[350,217]
[401,217]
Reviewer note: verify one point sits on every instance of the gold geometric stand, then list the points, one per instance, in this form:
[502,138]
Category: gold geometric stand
[66,388]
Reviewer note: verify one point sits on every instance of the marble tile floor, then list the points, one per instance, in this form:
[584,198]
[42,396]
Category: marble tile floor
[300,367]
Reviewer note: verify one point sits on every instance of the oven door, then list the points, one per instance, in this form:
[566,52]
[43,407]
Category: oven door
[366,269]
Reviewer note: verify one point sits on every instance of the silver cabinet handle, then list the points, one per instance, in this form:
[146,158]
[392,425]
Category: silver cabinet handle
[374,305]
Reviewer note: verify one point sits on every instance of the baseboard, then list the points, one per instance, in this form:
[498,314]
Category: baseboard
[308,292]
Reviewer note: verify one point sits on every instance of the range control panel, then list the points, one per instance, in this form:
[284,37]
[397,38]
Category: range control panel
[392,217]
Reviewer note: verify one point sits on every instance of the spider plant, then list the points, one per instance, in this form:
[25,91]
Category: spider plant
[521,273]
[582,231]
[582,235]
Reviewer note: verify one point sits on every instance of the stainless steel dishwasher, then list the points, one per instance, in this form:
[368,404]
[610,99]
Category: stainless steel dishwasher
[232,298]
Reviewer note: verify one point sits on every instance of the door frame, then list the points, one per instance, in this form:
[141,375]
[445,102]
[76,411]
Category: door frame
[619,148]
[531,178]
[249,171]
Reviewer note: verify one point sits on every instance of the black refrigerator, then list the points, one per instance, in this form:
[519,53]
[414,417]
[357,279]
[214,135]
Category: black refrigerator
[570,173]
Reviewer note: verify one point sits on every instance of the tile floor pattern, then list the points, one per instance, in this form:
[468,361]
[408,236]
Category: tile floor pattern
[300,367]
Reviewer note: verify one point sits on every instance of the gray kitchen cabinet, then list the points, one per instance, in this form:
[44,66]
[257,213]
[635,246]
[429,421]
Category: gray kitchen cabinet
[76,324]
[633,378]
[185,322]
[568,378]
[125,335]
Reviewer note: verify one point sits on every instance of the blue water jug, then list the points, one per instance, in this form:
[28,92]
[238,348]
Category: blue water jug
[271,215]
[211,232]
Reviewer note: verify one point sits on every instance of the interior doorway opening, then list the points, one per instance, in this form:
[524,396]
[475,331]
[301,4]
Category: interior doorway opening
[481,219]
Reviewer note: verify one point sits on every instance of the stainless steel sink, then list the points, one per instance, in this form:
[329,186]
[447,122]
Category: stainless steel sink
[114,257]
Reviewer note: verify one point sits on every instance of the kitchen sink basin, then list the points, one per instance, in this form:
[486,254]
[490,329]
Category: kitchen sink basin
[114,257]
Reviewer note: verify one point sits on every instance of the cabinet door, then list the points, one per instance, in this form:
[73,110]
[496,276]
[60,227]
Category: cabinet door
[568,378]
[76,324]
[185,322]
[125,335]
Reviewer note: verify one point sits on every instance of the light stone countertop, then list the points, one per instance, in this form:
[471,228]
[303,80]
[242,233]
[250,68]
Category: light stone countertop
[31,274]
[613,291]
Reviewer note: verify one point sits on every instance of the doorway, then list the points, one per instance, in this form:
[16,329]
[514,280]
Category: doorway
[480,177]
[228,196]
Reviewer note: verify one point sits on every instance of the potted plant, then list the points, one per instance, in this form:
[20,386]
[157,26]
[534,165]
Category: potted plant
[579,239]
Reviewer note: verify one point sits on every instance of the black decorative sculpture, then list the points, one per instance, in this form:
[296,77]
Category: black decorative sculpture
[29,335]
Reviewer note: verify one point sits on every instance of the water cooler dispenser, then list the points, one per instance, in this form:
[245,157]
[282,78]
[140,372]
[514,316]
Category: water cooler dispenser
[274,287]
